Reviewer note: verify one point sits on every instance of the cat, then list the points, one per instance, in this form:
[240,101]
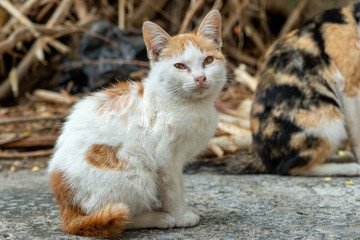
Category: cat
[307,100]
[119,159]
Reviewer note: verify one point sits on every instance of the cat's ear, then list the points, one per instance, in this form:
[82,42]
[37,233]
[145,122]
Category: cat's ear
[155,39]
[210,27]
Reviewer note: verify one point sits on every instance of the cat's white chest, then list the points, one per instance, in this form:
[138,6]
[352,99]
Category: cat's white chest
[181,134]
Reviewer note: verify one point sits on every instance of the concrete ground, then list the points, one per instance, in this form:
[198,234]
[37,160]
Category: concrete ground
[231,207]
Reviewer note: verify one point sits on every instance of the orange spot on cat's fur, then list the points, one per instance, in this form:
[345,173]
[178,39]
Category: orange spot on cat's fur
[255,125]
[346,56]
[316,117]
[104,157]
[108,222]
[318,156]
[118,89]
[118,96]
[141,89]
[178,44]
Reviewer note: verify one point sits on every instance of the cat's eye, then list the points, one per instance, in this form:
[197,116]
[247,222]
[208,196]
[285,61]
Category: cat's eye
[208,60]
[180,66]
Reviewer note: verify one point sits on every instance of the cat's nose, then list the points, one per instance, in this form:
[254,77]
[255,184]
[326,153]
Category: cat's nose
[200,79]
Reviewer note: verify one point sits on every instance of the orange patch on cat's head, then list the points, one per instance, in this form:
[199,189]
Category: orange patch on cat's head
[177,46]
[104,157]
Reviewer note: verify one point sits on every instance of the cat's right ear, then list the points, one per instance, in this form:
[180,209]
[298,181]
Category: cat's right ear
[210,27]
[155,39]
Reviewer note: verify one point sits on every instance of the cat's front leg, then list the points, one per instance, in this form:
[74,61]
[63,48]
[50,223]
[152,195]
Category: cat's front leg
[351,107]
[172,198]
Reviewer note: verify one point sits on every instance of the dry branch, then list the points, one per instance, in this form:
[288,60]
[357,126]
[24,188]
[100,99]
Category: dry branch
[230,144]
[60,13]
[243,77]
[241,122]
[32,141]
[293,17]
[23,67]
[193,8]
[24,9]
[31,119]
[18,15]
[21,70]
[25,155]
[145,10]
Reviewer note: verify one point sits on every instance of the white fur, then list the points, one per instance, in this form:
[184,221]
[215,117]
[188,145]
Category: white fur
[334,131]
[352,117]
[156,133]
[328,169]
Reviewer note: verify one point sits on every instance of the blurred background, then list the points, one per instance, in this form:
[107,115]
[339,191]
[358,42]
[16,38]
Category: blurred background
[53,52]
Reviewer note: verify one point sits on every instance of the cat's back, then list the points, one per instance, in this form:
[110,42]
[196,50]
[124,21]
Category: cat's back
[297,106]
[100,118]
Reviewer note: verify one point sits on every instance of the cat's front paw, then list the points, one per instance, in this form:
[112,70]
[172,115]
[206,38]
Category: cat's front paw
[189,219]
[165,220]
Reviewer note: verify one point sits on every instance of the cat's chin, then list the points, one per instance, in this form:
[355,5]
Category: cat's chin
[201,89]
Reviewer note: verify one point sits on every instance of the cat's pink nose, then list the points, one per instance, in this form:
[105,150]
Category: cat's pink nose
[200,79]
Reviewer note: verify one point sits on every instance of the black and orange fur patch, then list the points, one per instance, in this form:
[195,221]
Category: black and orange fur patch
[297,90]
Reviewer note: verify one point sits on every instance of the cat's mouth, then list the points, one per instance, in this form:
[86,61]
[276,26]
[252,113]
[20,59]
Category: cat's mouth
[201,88]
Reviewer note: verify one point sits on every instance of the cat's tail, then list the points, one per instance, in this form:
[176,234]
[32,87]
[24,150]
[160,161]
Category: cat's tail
[239,163]
[109,222]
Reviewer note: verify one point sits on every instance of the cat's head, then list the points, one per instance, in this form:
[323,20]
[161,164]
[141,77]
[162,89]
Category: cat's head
[189,66]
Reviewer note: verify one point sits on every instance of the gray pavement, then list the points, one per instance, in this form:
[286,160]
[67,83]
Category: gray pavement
[231,207]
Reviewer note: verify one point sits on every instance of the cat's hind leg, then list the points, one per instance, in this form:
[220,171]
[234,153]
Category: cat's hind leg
[331,169]
[152,220]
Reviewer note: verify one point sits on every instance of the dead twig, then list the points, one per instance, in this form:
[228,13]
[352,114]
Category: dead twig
[24,34]
[17,14]
[32,141]
[121,14]
[144,10]
[76,64]
[24,9]
[36,49]
[293,18]
[60,13]
[193,8]
[31,119]
[239,55]
[25,155]
[51,96]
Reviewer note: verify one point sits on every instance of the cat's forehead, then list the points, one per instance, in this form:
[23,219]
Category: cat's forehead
[182,44]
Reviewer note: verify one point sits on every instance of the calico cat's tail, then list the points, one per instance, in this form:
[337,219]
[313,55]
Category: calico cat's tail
[107,223]
[239,163]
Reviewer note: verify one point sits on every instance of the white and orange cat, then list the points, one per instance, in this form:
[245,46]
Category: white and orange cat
[118,162]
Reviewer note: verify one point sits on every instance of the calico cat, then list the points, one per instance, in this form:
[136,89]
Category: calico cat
[118,162]
[307,100]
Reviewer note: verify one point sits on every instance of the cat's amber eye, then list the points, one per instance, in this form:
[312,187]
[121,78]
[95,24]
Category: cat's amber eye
[180,66]
[208,60]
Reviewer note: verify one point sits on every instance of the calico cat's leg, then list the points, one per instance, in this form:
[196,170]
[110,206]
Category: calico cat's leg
[351,108]
[332,169]
[152,220]
[172,198]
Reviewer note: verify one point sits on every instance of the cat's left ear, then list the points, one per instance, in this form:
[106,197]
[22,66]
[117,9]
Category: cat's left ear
[210,27]
[155,39]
